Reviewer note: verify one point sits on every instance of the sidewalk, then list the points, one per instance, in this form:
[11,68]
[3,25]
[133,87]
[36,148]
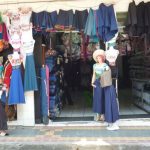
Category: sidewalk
[133,134]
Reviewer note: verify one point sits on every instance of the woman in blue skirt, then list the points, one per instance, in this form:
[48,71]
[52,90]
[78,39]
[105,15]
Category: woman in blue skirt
[104,99]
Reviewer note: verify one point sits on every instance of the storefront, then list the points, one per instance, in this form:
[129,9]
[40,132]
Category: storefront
[57,58]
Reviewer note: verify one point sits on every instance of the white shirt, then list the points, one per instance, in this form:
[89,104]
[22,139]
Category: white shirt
[111,55]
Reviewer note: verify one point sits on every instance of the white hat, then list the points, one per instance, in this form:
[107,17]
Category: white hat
[97,53]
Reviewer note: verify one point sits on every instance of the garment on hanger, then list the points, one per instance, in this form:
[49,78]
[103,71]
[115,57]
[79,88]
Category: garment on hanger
[107,24]
[15,37]
[16,92]
[34,20]
[30,80]
[65,19]
[44,20]
[80,19]
[7,73]
[52,19]
[15,19]
[4,32]
[131,22]
[147,18]
[90,27]
[111,55]
[26,33]
[140,18]
[25,16]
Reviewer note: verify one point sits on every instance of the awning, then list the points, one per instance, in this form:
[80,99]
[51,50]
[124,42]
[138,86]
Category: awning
[51,5]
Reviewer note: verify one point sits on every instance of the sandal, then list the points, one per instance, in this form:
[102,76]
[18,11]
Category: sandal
[102,118]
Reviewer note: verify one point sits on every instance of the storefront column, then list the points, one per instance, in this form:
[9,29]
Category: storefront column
[25,112]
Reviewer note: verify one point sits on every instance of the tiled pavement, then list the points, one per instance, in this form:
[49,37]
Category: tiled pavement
[90,136]
[45,134]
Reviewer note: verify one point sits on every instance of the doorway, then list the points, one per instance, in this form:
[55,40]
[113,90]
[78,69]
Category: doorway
[79,75]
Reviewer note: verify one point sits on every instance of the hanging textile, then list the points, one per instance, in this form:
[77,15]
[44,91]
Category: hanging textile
[107,24]
[131,22]
[80,19]
[44,96]
[90,27]
[26,49]
[64,20]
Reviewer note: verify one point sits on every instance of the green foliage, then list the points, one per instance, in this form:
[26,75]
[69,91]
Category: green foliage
[88,97]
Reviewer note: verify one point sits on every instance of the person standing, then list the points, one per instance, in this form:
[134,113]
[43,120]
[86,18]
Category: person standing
[104,98]
[3,117]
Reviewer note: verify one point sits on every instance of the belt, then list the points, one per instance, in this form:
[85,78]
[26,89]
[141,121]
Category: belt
[16,67]
[29,54]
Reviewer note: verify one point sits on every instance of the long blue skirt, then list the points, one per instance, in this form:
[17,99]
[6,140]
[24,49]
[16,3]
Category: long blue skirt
[111,106]
[30,80]
[16,92]
[98,98]
[44,96]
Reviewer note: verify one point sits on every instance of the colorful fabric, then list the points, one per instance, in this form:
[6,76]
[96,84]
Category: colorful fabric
[1,71]
[5,33]
[90,27]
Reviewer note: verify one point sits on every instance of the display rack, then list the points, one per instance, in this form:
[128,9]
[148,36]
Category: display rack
[141,96]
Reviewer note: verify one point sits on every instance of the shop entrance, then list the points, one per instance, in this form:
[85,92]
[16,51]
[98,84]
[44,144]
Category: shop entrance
[76,100]
[81,110]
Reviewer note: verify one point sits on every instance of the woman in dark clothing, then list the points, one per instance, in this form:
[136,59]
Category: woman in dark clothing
[3,117]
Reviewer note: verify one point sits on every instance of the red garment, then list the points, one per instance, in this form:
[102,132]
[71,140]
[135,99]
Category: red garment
[7,74]
[5,33]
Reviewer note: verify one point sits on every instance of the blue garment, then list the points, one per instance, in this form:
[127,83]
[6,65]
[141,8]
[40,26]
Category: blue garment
[1,71]
[44,94]
[80,19]
[51,63]
[65,18]
[111,106]
[107,24]
[16,92]
[98,98]
[43,20]
[30,80]
[53,16]
[90,27]
[34,20]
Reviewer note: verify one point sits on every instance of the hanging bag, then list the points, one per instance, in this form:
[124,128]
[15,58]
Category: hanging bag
[106,79]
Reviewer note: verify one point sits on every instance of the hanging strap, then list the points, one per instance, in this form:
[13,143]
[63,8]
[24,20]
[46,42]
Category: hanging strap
[43,54]
[70,44]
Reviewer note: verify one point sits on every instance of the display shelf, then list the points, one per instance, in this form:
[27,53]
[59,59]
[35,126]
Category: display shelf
[140,96]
